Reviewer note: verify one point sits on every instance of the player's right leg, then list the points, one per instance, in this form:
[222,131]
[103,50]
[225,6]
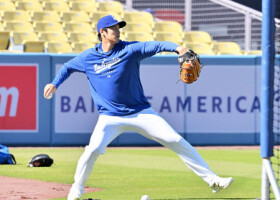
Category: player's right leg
[105,131]
[156,128]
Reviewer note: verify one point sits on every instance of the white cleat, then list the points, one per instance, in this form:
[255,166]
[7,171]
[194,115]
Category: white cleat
[74,194]
[219,183]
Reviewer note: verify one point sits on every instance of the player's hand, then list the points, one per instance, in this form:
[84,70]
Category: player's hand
[181,50]
[49,91]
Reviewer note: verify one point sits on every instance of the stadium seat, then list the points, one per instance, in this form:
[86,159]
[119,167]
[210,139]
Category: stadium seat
[18,26]
[85,6]
[95,16]
[17,15]
[168,26]
[77,26]
[47,26]
[82,37]
[1,26]
[172,37]
[138,27]
[7,5]
[226,48]
[79,47]
[58,47]
[58,6]
[17,38]
[138,16]
[33,46]
[53,36]
[41,16]
[197,36]
[255,52]
[75,16]
[111,6]
[4,40]
[200,48]
[26,42]
[29,5]
[138,36]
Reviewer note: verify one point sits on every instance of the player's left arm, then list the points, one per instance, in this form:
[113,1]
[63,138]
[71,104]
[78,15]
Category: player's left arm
[150,48]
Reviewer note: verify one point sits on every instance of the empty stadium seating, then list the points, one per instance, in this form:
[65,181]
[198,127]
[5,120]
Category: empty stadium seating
[168,26]
[138,27]
[75,16]
[197,36]
[77,19]
[78,26]
[16,15]
[41,16]
[138,36]
[48,26]
[226,48]
[33,46]
[19,37]
[111,6]
[58,6]
[95,16]
[53,36]
[18,26]
[200,48]
[7,5]
[85,6]
[82,37]
[168,36]
[79,47]
[58,47]
[138,16]
[26,42]
[4,40]
[256,52]
[29,5]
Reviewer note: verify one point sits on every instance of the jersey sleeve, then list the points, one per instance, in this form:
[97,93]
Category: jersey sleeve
[73,65]
[150,48]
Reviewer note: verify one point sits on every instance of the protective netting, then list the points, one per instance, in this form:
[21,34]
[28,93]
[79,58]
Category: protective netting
[276,109]
[224,22]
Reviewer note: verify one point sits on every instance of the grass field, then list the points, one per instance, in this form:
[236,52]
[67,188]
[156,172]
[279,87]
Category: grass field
[129,173]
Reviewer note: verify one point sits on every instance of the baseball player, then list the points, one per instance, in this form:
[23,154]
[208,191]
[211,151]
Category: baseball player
[112,68]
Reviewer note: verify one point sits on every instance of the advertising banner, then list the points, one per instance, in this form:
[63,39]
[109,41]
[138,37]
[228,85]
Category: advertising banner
[18,98]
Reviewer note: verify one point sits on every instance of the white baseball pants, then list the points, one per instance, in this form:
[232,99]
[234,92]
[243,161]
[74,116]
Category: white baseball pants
[149,124]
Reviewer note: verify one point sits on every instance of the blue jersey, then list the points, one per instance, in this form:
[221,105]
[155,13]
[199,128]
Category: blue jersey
[113,76]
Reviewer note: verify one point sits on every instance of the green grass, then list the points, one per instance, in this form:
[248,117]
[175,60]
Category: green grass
[127,174]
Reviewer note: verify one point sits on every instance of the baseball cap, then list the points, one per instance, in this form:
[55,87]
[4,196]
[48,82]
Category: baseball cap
[108,21]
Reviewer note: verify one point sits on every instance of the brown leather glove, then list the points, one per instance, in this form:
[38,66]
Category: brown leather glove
[190,66]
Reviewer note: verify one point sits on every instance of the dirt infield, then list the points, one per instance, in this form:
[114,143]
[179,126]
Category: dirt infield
[20,188]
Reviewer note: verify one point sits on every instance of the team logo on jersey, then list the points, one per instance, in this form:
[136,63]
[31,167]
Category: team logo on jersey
[106,65]
[18,98]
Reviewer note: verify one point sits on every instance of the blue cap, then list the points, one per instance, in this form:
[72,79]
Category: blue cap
[108,21]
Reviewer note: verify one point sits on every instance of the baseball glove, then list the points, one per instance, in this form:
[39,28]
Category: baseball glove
[190,66]
[41,160]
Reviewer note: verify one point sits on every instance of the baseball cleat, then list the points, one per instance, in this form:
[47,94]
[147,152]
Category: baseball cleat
[220,183]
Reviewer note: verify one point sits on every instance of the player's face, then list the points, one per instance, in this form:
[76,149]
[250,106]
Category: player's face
[113,33]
